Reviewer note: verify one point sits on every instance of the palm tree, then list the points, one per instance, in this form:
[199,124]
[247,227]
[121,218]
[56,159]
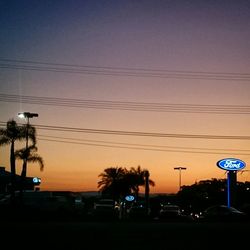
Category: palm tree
[29,155]
[119,181]
[24,154]
[10,135]
[113,182]
[139,177]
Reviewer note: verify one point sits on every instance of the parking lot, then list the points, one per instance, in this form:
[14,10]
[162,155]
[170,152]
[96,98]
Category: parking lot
[123,235]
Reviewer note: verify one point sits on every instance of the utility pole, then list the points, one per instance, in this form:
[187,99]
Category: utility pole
[25,115]
[147,191]
[180,169]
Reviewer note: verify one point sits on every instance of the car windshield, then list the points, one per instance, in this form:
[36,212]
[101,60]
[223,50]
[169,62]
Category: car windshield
[106,202]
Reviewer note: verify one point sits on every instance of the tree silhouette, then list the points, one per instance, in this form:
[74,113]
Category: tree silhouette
[138,178]
[31,156]
[118,182]
[10,135]
[203,194]
[28,155]
[113,182]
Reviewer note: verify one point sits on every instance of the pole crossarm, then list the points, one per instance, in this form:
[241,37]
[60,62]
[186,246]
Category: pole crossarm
[180,169]
[27,115]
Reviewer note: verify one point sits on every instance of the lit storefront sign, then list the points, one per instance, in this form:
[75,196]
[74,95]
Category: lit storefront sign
[36,180]
[129,198]
[231,164]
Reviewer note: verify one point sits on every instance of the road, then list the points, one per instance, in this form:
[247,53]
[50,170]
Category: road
[122,235]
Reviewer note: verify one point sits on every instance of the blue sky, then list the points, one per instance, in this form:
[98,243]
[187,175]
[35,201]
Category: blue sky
[172,36]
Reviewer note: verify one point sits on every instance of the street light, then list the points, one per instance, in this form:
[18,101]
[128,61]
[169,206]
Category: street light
[180,169]
[26,115]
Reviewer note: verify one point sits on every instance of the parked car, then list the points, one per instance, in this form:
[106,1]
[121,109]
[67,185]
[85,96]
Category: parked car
[222,213]
[173,213]
[105,209]
[79,205]
[138,210]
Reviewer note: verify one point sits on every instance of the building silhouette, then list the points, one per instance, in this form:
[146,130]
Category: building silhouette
[30,183]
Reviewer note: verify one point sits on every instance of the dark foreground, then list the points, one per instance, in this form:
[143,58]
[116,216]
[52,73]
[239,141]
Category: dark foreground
[117,235]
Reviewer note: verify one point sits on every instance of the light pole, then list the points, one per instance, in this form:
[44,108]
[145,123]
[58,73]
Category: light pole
[147,191]
[26,115]
[180,169]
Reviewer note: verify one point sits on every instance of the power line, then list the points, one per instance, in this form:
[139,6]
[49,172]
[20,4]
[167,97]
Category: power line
[138,133]
[125,105]
[142,146]
[120,71]
[121,68]
[136,144]
[160,148]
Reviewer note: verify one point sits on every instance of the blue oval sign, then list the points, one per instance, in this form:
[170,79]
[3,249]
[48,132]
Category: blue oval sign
[231,164]
[36,180]
[129,198]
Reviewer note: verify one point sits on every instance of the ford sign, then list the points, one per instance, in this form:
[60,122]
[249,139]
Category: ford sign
[231,164]
[36,180]
[129,198]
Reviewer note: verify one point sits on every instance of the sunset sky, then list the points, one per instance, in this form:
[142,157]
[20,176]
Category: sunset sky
[162,70]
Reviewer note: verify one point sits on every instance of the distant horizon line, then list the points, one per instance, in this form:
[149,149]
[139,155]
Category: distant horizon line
[97,192]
